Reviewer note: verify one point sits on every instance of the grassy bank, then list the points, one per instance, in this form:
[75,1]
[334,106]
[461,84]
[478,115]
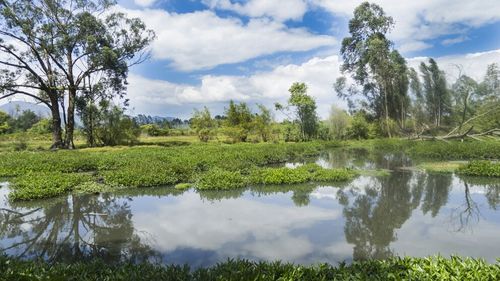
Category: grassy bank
[206,166]
[434,268]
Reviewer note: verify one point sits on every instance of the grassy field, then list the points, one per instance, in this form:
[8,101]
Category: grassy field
[433,268]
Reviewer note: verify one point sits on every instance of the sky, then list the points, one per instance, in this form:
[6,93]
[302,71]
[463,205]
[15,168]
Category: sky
[208,52]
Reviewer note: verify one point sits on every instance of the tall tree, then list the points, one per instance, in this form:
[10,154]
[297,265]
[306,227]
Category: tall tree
[61,47]
[465,91]
[374,65]
[304,109]
[436,93]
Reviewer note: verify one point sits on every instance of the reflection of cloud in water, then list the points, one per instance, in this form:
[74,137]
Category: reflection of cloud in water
[434,238]
[251,227]
[325,192]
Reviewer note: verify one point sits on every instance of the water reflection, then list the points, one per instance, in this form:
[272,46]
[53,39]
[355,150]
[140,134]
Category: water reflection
[72,228]
[406,212]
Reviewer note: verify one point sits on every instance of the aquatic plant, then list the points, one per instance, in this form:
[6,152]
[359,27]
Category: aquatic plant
[480,168]
[142,166]
[219,179]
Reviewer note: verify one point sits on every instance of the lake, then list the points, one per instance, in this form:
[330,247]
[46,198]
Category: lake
[407,212]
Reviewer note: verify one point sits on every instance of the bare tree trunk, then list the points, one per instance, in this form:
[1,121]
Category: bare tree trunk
[57,141]
[70,126]
[464,112]
[386,109]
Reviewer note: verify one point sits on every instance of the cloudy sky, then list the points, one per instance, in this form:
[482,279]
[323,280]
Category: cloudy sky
[210,51]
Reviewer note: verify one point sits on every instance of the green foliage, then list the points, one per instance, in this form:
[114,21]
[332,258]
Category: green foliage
[203,124]
[339,122]
[44,126]
[4,122]
[45,184]
[220,180]
[374,65]
[115,128]
[262,123]
[24,121]
[235,134]
[481,168]
[441,167]
[144,166]
[291,132]
[436,94]
[154,130]
[183,186]
[431,268]
[359,128]
[305,110]
[90,187]
[302,174]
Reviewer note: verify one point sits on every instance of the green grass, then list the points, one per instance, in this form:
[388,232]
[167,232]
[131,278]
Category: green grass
[441,167]
[433,268]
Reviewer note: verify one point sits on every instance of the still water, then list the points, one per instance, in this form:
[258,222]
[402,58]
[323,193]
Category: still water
[408,212]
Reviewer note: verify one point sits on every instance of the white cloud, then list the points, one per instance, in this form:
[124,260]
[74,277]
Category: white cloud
[278,10]
[454,40]
[144,3]
[202,40]
[473,65]
[418,21]
[265,87]
[272,86]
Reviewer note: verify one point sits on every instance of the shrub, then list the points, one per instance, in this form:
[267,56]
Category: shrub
[480,168]
[182,186]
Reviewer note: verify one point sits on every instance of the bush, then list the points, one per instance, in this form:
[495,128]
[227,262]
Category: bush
[359,128]
[44,126]
[480,168]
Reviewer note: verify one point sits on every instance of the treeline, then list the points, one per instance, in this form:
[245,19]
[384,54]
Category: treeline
[25,121]
[383,89]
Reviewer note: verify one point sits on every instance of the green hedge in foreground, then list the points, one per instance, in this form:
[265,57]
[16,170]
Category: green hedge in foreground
[434,268]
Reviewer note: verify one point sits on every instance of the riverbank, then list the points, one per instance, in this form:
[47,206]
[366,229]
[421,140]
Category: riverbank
[433,268]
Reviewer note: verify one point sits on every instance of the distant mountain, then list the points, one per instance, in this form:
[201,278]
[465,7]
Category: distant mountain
[14,108]
[147,119]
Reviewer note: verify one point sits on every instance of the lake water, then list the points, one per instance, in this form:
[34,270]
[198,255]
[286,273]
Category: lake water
[408,212]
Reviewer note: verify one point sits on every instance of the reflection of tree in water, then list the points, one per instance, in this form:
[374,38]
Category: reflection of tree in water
[437,190]
[467,214]
[373,216]
[73,228]
[491,187]
[363,159]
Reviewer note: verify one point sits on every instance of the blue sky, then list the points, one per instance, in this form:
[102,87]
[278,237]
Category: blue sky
[210,51]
